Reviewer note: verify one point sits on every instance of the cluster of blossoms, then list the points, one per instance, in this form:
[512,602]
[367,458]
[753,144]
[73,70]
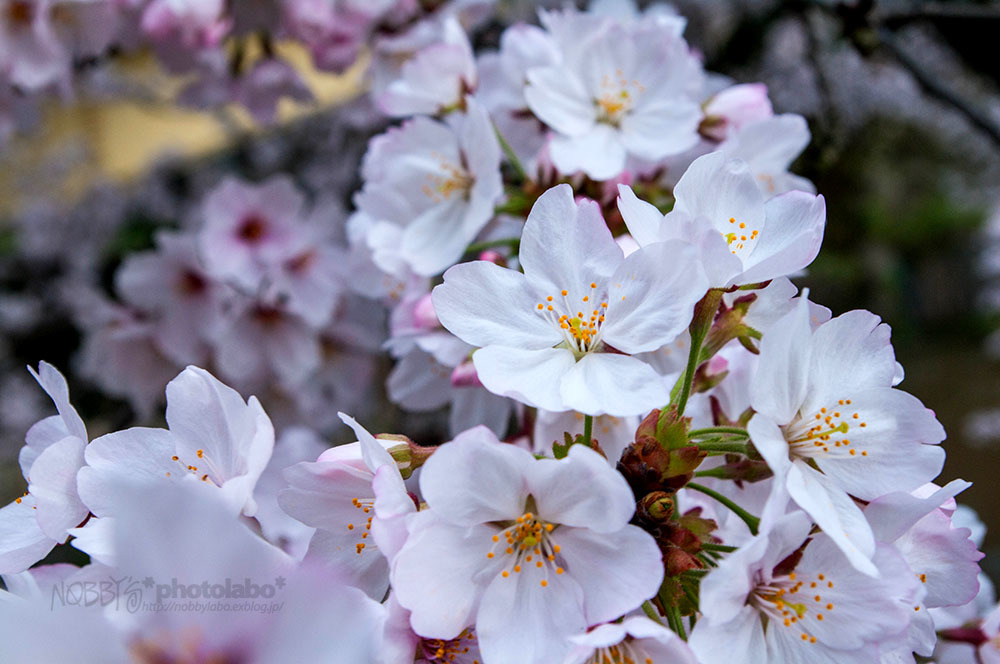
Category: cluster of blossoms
[660,450]
[228,51]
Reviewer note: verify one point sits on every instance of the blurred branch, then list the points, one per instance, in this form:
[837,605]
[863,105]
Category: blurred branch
[935,87]
[933,10]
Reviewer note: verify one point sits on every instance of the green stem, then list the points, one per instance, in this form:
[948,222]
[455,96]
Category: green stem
[722,446]
[709,546]
[712,430]
[678,621]
[512,242]
[718,473]
[511,155]
[753,523]
[704,315]
[588,430]
[651,611]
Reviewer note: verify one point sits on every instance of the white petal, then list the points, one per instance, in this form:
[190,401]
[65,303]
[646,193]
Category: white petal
[476,479]
[608,383]
[651,297]
[790,239]
[599,153]
[559,100]
[485,304]
[566,245]
[22,542]
[642,219]
[533,377]
[53,484]
[582,491]
[617,571]
[778,388]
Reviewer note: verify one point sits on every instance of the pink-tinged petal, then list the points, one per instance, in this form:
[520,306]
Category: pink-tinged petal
[779,386]
[53,484]
[719,189]
[42,433]
[655,131]
[834,511]
[22,542]
[476,479]
[485,304]
[392,505]
[790,239]
[642,219]
[600,153]
[374,454]
[567,245]
[434,575]
[542,617]
[943,558]
[139,454]
[55,386]
[612,384]
[211,420]
[367,569]
[325,495]
[651,297]
[581,491]
[850,352]
[739,640]
[617,571]
[431,81]
[787,646]
[658,642]
[893,514]
[318,611]
[533,377]
[560,101]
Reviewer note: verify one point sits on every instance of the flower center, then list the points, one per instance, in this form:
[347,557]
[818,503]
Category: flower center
[20,13]
[203,467]
[621,653]
[741,240]
[448,181]
[524,543]
[794,601]
[252,229]
[618,96]
[580,329]
[454,651]
[367,508]
[825,433]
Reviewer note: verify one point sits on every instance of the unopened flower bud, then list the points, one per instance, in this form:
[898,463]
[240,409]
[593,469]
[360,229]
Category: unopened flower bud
[465,375]
[424,316]
[493,256]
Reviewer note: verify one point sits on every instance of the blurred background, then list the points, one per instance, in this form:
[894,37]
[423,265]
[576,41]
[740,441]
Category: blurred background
[903,100]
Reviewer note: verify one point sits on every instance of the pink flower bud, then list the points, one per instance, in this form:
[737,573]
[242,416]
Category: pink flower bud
[424,317]
[465,375]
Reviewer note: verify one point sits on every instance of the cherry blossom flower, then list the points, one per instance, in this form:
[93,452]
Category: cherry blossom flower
[763,604]
[831,426]
[213,435]
[617,91]
[31,525]
[559,336]
[429,190]
[337,495]
[742,238]
[636,639]
[511,544]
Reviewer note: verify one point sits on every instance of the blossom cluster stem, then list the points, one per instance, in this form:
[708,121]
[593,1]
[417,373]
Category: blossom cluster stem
[736,431]
[704,315]
[722,446]
[512,157]
[588,430]
[753,523]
